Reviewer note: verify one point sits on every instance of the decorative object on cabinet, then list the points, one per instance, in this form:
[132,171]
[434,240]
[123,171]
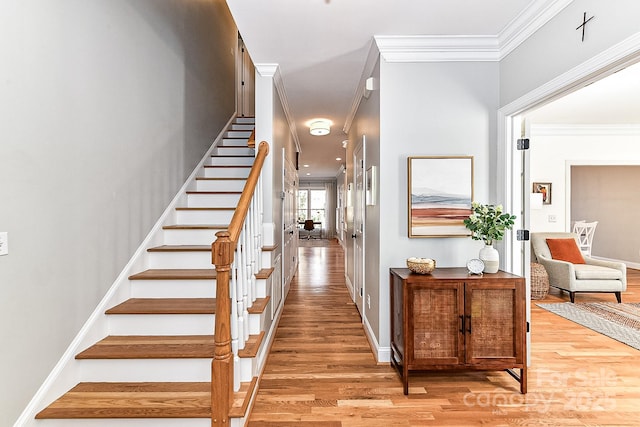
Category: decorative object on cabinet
[440,195]
[488,223]
[545,189]
[421,265]
[451,320]
[475,266]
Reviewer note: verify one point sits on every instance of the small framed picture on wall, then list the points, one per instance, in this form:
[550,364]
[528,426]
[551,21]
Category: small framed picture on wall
[545,189]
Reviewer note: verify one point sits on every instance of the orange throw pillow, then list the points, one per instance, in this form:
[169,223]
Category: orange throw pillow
[565,250]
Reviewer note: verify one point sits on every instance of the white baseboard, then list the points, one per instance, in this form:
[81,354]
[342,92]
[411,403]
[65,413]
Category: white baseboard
[382,354]
[65,373]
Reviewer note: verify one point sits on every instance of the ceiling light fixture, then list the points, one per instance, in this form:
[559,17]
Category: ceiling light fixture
[319,127]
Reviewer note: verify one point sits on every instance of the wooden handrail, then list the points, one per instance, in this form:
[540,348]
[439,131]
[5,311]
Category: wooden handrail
[222,254]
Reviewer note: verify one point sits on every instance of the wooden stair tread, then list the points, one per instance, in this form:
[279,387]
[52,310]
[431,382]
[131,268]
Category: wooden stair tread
[175,274]
[185,208]
[265,273]
[270,248]
[181,248]
[162,347]
[151,347]
[214,192]
[259,305]
[143,400]
[251,346]
[196,227]
[165,306]
[204,178]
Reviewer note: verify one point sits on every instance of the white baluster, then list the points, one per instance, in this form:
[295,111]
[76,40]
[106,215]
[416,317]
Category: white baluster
[234,308]
[239,293]
[246,284]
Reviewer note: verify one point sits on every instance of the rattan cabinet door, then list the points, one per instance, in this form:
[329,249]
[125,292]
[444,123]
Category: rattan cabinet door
[494,313]
[436,328]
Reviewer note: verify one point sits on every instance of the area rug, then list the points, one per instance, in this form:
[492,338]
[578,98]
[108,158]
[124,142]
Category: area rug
[618,321]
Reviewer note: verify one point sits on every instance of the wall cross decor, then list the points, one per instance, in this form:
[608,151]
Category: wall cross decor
[584,24]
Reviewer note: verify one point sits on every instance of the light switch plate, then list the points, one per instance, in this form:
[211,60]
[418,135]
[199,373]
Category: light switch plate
[4,243]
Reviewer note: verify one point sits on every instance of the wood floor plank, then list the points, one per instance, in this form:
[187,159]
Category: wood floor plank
[321,371]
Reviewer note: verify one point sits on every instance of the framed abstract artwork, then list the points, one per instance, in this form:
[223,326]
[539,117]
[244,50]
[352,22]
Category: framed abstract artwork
[440,195]
[545,189]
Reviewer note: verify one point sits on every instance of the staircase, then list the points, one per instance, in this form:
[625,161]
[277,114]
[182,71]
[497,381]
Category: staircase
[153,367]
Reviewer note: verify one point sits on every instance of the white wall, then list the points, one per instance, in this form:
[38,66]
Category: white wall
[430,109]
[106,107]
[555,148]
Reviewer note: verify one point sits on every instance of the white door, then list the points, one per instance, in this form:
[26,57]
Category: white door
[290,223]
[358,235]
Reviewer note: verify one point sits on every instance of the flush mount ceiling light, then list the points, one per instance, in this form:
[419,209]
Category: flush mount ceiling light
[320,127]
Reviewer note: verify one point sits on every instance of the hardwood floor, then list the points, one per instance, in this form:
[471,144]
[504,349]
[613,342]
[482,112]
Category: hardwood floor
[321,371]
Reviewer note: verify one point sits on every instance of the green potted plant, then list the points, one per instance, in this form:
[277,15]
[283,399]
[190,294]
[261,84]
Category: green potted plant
[489,223]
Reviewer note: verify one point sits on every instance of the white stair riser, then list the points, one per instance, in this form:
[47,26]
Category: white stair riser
[161,324]
[257,321]
[234,151]
[248,369]
[220,184]
[189,237]
[237,134]
[267,260]
[261,288]
[251,120]
[230,161]
[173,288]
[179,260]
[225,142]
[242,126]
[226,172]
[152,370]
[213,217]
[212,200]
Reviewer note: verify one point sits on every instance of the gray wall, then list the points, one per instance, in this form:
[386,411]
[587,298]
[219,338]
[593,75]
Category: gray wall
[611,196]
[431,109]
[367,123]
[106,108]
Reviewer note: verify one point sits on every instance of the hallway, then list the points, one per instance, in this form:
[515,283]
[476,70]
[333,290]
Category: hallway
[321,371]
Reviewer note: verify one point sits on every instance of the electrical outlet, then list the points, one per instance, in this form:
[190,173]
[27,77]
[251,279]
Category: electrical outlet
[368,301]
[4,243]
[553,218]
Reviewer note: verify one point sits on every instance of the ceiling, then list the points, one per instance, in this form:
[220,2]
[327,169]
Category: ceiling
[612,100]
[321,47]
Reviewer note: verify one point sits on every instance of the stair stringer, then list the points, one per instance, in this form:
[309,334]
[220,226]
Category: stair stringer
[65,373]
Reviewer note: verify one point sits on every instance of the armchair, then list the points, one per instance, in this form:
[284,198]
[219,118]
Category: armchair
[592,276]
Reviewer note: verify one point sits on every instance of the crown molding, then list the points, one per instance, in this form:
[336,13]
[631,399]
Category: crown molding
[459,48]
[585,130]
[369,65]
[530,20]
[438,48]
[273,71]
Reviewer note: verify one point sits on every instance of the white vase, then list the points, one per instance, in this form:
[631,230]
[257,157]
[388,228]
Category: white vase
[491,258]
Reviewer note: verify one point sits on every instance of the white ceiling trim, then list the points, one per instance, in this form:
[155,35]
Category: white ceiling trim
[460,48]
[438,48]
[528,22]
[584,130]
[370,63]
[273,70]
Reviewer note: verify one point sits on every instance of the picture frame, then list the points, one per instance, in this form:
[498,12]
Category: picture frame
[545,189]
[370,186]
[440,192]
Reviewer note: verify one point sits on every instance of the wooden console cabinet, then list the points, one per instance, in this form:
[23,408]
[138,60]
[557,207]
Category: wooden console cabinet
[451,320]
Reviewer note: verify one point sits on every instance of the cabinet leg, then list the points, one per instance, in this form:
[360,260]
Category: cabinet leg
[523,381]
